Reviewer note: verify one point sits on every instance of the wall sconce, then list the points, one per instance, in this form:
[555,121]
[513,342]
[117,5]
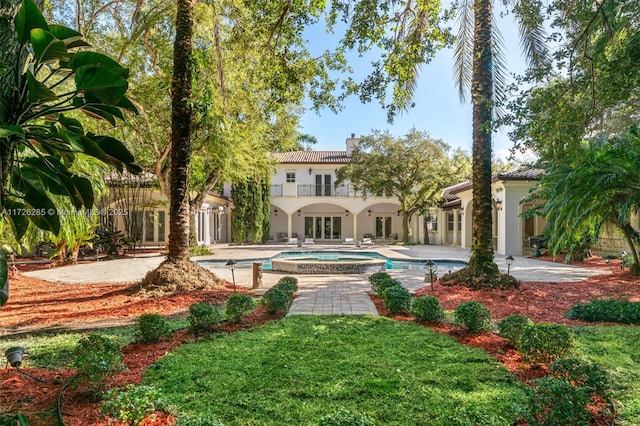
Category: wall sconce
[275,212]
[369,212]
[499,203]
[299,212]
[310,171]
[510,260]
[346,212]
[398,212]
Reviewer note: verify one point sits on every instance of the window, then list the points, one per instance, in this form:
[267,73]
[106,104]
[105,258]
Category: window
[323,227]
[459,221]
[291,177]
[434,223]
[383,226]
[323,185]
[450,222]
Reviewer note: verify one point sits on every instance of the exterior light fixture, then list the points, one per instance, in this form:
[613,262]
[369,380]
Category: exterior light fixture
[510,260]
[369,212]
[310,171]
[299,212]
[623,254]
[275,212]
[346,212]
[14,356]
[232,266]
[499,203]
[431,276]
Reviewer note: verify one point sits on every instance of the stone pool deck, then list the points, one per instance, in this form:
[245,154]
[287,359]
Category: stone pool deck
[318,294]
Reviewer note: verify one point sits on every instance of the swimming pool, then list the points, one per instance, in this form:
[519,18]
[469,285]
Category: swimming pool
[337,257]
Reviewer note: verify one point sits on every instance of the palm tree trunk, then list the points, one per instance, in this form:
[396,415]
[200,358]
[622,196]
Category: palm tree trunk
[181,133]
[482,98]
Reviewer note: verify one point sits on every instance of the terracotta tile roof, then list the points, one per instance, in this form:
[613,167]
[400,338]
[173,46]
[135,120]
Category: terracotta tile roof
[526,174]
[450,192]
[312,157]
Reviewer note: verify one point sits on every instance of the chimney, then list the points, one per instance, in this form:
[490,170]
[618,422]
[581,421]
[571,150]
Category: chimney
[352,143]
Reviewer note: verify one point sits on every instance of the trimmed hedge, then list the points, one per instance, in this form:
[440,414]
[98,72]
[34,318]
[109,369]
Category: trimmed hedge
[512,327]
[473,316]
[546,343]
[621,311]
[427,309]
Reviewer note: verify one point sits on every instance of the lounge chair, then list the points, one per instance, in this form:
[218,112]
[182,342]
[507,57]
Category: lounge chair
[308,241]
[292,241]
[367,242]
[349,241]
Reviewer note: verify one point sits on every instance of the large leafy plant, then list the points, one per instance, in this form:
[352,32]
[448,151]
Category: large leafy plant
[56,76]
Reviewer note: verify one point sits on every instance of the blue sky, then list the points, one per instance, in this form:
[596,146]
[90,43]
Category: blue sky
[438,109]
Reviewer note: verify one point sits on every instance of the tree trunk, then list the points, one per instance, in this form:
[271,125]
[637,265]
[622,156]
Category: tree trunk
[405,228]
[481,272]
[425,226]
[181,133]
[482,98]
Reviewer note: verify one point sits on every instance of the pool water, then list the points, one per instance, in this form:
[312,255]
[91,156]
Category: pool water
[338,256]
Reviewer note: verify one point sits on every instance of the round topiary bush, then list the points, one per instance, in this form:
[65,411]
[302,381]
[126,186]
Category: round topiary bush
[276,300]
[396,299]
[511,327]
[288,284]
[385,284]
[152,328]
[238,306]
[427,309]
[202,315]
[473,316]
[376,278]
[546,342]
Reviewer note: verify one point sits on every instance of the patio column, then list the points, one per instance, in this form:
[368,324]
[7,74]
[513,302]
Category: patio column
[355,227]
[456,222]
[289,225]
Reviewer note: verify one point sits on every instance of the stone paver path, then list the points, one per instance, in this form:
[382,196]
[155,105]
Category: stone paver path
[333,299]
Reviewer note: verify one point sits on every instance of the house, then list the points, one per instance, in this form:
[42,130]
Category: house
[513,233]
[307,203]
[138,208]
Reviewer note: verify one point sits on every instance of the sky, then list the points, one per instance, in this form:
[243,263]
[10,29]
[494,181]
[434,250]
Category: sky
[438,109]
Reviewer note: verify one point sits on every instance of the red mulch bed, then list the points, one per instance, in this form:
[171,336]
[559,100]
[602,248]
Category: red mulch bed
[40,305]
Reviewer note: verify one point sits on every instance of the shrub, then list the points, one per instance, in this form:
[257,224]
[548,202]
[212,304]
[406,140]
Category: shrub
[511,327]
[132,404]
[555,402]
[152,328]
[343,417]
[588,376]
[621,311]
[397,299]
[385,284]
[427,309]
[288,284]
[276,300]
[238,306]
[202,315]
[545,343]
[96,356]
[473,316]
[376,278]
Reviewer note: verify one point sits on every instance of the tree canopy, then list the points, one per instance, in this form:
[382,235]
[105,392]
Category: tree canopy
[414,168]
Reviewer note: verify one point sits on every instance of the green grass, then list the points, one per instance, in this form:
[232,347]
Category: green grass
[617,349]
[56,350]
[296,370]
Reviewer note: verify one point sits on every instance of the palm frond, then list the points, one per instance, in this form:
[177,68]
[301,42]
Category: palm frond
[499,71]
[463,49]
[533,35]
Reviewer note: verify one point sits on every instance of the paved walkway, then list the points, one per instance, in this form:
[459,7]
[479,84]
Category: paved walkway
[318,294]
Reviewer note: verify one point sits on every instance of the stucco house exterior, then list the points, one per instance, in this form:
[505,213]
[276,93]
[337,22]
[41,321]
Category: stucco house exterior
[513,234]
[306,203]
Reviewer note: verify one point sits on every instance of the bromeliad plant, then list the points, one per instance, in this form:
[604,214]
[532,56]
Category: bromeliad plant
[40,137]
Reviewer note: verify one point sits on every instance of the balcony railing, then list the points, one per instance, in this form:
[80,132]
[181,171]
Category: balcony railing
[323,191]
[276,190]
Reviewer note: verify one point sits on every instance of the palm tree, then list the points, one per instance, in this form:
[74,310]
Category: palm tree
[478,67]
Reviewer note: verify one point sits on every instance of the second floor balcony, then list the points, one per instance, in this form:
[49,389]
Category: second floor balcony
[311,190]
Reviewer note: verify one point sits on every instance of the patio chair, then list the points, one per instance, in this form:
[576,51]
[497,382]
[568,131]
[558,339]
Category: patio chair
[308,241]
[292,241]
[367,242]
[349,241]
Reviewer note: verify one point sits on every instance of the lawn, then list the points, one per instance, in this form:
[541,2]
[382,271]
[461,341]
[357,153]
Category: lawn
[617,349]
[295,370]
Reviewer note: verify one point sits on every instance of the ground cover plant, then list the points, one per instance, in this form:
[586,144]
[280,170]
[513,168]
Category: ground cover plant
[301,368]
[622,311]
